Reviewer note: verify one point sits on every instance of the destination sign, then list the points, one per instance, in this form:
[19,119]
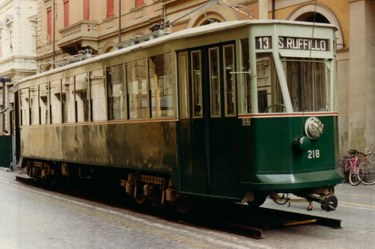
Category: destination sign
[310,44]
[293,43]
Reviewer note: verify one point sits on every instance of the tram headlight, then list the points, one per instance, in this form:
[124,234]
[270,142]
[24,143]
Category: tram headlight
[313,128]
[303,143]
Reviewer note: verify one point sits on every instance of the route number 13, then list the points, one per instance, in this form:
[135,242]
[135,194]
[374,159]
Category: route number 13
[263,42]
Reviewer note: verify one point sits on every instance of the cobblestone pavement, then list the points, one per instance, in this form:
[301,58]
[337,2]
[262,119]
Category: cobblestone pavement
[36,218]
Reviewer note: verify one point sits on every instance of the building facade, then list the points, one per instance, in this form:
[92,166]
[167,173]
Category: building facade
[70,30]
[17,51]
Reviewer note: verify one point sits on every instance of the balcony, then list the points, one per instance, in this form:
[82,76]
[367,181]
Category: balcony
[78,36]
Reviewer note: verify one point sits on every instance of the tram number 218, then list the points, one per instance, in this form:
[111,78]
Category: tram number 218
[312,154]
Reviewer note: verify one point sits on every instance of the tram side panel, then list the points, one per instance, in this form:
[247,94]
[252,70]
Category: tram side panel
[137,146]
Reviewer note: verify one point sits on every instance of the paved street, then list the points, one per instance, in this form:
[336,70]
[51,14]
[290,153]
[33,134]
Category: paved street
[36,218]
[356,210]
[33,218]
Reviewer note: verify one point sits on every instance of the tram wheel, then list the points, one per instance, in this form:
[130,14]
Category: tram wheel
[259,199]
[330,203]
[183,204]
[54,180]
[139,196]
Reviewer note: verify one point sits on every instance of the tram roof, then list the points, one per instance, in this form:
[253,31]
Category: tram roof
[211,28]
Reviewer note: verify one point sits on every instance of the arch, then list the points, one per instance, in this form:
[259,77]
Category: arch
[108,47]
[213,12]
[322,14]
[207,18]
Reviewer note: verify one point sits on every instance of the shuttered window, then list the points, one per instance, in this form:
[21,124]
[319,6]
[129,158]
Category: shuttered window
[110,8]
[138,3]
[86,10]
[49,23]
[66,13]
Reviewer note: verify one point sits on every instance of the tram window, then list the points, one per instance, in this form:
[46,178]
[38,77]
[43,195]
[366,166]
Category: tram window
[98,95]
[24,107]
[116,93]
[34,105]
[136,79]
[183,78]
[308,83]
[161,85]
[196,76]
[68,100]
[56,102]
[82,97]
[44,103]
[245,77]
[270,98]
[214,73]
[229,81]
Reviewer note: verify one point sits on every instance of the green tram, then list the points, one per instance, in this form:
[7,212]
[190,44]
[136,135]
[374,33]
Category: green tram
[236,111]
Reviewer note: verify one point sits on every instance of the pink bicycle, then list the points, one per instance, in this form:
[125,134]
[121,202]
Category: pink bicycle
[351,167]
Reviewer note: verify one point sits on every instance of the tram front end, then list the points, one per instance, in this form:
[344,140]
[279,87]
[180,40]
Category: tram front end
[292,122]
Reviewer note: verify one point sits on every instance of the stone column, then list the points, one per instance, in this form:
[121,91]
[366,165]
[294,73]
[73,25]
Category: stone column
[361,87]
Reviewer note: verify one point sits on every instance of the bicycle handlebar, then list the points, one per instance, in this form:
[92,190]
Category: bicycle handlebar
[356,152]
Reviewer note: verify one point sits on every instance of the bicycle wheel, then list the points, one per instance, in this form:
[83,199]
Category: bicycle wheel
[354,178]
[367,173]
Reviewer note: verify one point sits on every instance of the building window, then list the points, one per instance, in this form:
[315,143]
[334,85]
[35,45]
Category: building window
[66,13]
[110,8]
[138,3]
[49,23]
[86,10]
[1,47]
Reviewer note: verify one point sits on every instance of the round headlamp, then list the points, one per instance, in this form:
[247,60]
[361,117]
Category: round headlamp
[313,128]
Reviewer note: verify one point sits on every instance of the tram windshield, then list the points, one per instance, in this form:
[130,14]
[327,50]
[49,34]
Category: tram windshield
[308,83]
[307,80]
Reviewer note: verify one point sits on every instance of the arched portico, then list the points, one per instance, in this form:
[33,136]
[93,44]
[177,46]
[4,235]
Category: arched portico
[319,13]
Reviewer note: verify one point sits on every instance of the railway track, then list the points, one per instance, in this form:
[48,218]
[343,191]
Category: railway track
[227,217]
[252,222]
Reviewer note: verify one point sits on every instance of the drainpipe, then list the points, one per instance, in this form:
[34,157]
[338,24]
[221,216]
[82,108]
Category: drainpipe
[119,21]
[273,9]
[54,34]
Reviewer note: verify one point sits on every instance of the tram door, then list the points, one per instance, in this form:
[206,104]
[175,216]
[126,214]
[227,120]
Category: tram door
[207,94]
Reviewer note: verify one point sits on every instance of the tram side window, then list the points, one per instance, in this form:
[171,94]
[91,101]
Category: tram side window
[98,99]
[308,83]
[229,81]
[214,81]
[162,86]
[82,98]
[269,93]
[68,100]
[196,77]
[116,93]
[138,101]
[245,96]
[44,103]
[56,102]
[183,79]
[24,106]
[34,105]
